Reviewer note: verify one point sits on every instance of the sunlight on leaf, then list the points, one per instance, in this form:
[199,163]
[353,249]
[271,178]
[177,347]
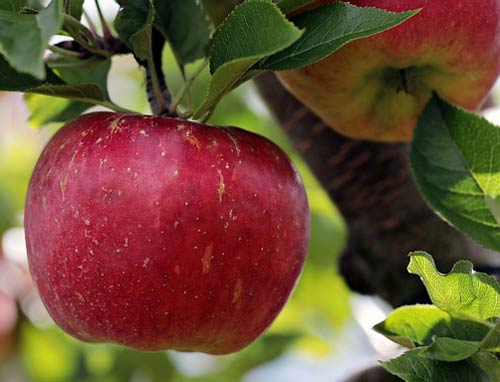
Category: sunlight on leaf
[463,293]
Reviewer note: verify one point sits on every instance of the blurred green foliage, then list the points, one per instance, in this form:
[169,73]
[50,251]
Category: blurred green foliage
[319,304]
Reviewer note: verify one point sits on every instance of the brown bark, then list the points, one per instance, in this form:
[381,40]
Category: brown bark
[372,185]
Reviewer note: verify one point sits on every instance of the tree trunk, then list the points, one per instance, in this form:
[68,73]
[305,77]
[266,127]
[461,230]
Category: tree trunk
[372,185]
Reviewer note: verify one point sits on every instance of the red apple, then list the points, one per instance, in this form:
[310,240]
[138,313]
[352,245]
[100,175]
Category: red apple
[375,88]
[159,233]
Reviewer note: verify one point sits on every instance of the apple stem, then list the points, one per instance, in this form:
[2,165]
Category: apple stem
[404,82]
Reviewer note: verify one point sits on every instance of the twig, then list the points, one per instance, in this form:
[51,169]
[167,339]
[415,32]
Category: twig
[159,95]
[155,96]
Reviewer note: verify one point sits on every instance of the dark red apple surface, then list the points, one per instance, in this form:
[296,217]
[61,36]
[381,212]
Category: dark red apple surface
[159,233]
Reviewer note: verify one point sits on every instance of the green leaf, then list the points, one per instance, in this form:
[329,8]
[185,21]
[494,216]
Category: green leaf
[19,5]
[20,42]
[24,37]
[493,204]
[450,349]
[74,8]
[489,363]
[418,325]
[12,5]
[94,74]
[462,293]
[11,80]
[184,24]
[457,167]
[217,10]
[412,367]
[71,111]
[81,92]
[253,30]
[291,5]
[133,24]
[44,109]
[492,341]
[460,333]
[329,28]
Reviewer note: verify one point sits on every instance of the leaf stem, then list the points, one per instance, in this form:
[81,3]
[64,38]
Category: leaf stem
[209,114]
[187,86]
[74,64]
[83,36]
[64,52]
[72,25]
[105,28]
[107,104]
[113,106]
[189,90]
[91,23]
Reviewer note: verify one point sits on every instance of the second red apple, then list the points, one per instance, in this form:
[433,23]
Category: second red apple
[375,88]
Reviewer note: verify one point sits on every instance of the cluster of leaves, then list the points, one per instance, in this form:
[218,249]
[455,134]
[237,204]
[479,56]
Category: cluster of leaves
[26,28]
[457,167]
[457,338]
[255,36]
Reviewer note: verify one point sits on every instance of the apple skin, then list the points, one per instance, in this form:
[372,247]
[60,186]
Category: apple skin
[159,233]
[451,47]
